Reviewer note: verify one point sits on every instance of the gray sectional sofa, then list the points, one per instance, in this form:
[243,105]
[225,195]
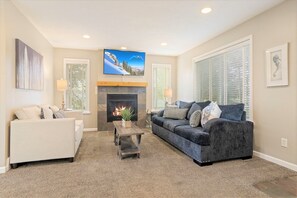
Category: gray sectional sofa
[224,138]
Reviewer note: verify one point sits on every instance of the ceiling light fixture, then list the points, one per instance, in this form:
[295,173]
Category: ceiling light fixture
[163,44]
[206,10]
[86,36]
[123,48]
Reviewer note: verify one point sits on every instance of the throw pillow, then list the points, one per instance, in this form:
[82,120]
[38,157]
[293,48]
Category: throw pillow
[193,108]
[59,114]
[46,113]
[21,115]
[210,112]
[174,113]
[203,104]
[232,112]
[160,113]
[54,108]
[195,118]
[32,113]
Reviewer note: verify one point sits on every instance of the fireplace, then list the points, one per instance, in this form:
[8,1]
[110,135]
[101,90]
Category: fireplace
[118,102]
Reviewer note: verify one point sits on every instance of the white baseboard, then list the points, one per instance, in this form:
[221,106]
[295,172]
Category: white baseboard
[90,129]
[276,161]
[4,169]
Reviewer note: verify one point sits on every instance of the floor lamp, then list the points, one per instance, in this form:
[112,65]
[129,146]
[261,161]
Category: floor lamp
[167,96]
[62,87]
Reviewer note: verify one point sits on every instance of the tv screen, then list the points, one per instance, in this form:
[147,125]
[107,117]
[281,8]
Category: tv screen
[117,62]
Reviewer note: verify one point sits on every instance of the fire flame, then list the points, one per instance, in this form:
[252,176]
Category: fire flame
[117,111]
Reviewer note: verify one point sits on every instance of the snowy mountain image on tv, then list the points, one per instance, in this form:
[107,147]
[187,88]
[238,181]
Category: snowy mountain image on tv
[118,62]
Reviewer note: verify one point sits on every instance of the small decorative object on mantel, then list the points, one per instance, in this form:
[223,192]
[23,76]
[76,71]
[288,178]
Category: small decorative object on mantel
[126,114]
[277,66]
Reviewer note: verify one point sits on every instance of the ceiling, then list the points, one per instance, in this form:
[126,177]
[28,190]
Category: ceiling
[137,24]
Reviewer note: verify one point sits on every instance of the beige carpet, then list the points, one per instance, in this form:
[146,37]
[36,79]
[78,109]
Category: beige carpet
[161,171]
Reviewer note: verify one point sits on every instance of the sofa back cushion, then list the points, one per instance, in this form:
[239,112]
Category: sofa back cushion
[232,112]
[193,108]
[174,113]
[203,104]
[184,105]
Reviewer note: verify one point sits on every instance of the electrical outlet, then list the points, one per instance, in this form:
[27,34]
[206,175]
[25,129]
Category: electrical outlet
[284,142]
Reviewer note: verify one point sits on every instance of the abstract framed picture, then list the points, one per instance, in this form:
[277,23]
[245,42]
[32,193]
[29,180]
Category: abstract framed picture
[277,66]
[29,67]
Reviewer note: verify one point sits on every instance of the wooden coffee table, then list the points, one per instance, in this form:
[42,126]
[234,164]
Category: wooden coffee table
[123,139]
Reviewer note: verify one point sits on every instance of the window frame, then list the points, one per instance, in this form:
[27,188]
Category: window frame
[79,61]
[223,49]
[157,65]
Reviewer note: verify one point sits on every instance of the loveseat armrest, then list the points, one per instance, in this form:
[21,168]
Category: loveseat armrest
[230,139]
[77,114]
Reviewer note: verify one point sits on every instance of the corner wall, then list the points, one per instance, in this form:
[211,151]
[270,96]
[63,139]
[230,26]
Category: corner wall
[16,25]
[275,109]
[96,74]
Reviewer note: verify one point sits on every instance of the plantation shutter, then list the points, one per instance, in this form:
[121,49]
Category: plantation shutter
[225,77]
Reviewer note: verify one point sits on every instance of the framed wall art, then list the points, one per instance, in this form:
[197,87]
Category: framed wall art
[29,67]
[277,66]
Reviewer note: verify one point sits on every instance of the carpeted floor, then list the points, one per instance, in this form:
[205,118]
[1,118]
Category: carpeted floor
[161,171]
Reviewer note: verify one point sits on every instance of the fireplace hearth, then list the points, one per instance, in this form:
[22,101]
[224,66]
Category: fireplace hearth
[118,102]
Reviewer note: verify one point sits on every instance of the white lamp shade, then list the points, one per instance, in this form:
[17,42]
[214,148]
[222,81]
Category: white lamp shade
[61,85]
[168,93]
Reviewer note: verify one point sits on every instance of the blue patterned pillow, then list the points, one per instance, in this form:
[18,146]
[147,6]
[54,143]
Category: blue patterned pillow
[232,112]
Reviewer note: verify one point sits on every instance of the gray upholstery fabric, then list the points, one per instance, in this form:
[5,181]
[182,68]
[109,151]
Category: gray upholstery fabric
[158,120]
[195,118]
[203,104]
[184,105]
[160,113]
[195,135]
[171,124]
[232,112]
[193,108]
[175,113]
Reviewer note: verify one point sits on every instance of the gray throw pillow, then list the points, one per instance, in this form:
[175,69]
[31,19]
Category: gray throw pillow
[179,114]
[59,114]
[184,105]
[193,108]
[195,118]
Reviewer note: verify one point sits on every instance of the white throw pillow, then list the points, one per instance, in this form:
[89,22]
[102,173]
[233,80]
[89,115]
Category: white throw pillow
[47,113]
[210,112]
[54,108]
[21,115]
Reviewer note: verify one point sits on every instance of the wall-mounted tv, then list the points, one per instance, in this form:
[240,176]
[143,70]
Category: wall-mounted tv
[117,62]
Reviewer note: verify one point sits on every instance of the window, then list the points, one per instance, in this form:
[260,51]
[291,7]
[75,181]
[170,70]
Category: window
[76,73]
[224,76]
[161,81]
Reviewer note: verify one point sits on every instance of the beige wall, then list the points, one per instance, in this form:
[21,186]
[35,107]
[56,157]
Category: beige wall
[96,69]
[17,26]
[274,108]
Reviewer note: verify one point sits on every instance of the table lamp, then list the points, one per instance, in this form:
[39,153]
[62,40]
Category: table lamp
[62,86]
[167,95]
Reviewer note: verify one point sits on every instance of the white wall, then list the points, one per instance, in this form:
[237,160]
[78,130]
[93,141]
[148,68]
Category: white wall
[18,26]
[96,69]
[275,109]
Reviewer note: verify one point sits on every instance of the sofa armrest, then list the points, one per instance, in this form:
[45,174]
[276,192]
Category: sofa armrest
[227,136]
[77,114]
[33,140]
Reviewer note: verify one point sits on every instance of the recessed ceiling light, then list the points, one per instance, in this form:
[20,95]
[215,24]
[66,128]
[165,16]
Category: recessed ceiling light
[123,48]
[206,10]
[86,36]
[163,44]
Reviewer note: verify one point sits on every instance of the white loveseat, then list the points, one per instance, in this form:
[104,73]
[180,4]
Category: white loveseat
[45,139]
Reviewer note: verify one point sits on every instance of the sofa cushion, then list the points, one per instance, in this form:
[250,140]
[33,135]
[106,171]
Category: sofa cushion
[210,112]
[171,124]
[158,120]
[184,105]
[175,113]
[195,135]
[28,113]
[193,108]
[203,104]
[195,118]
[232,112]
